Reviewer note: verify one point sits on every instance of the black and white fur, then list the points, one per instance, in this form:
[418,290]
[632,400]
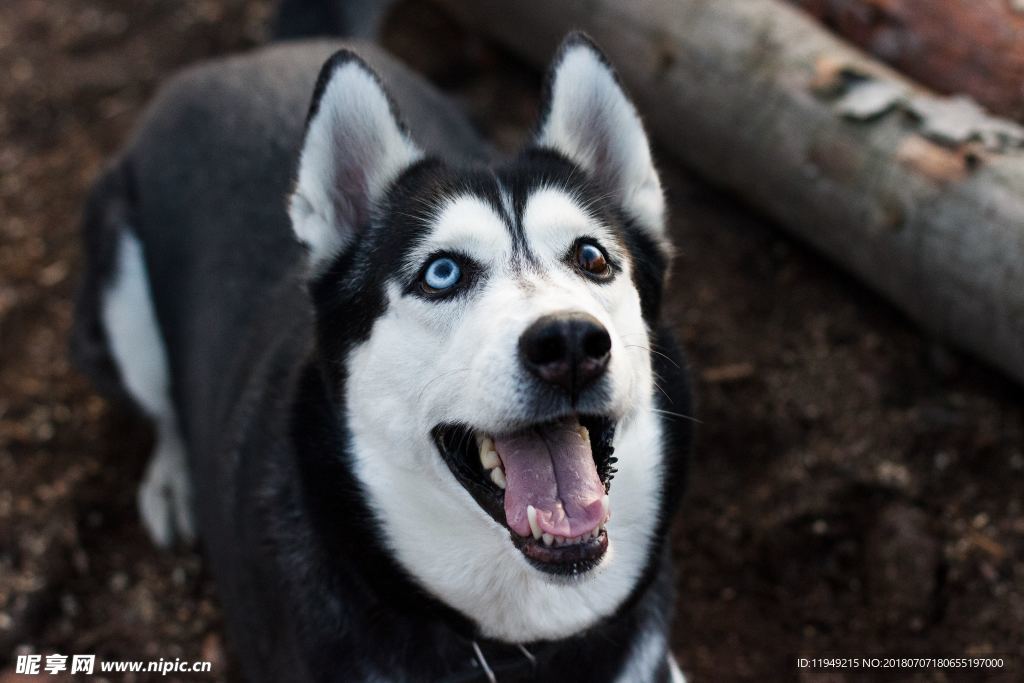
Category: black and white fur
[294,382]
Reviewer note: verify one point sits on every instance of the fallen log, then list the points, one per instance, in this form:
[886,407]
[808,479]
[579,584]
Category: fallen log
[921,197]
[967,46]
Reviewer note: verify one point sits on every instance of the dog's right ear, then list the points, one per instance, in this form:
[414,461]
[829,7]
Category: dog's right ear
[355,146]
[589,118]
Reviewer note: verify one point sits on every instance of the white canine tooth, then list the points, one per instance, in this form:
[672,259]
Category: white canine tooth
[548,539]
[531,515]
[606,507]
[490,460]
[583,432]
[488,456]
[498,477]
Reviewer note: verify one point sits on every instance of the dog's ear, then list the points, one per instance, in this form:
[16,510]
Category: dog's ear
[354,147]
[587,116]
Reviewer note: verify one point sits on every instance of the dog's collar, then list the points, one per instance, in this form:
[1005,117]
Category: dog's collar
[493,662]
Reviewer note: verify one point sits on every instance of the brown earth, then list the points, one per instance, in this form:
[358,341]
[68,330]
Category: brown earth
[856,488]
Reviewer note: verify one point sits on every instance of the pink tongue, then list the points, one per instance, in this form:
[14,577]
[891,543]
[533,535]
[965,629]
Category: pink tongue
[552,469]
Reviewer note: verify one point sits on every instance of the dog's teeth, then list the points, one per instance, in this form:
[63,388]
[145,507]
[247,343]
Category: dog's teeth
[498,477]
[595,533]
[488,456]
[548,539]
[606,507]
[531,515]
[583,432]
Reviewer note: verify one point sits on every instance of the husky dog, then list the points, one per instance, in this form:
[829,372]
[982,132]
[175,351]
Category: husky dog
[388,371]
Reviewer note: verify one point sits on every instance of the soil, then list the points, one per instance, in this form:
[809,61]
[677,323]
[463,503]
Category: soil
[856,487]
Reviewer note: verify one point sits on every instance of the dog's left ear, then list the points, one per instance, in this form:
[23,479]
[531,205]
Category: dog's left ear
[355,147]
[588,117]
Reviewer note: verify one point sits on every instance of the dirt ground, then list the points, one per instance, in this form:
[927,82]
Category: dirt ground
[856,490]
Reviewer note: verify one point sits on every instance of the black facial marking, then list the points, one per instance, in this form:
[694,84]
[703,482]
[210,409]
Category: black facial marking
[540,167]
[532,171]
[350,295]
[650,265]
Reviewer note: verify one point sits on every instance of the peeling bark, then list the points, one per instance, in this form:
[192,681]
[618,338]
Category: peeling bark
[949,121]
[920,196]
[971,46]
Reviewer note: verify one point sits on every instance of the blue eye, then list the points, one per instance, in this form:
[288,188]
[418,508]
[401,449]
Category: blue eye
[442,273]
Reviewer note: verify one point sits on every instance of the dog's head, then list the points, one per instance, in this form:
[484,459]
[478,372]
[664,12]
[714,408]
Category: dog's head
[489,331]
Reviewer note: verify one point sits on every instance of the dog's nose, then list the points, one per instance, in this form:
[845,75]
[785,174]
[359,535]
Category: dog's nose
[569,350]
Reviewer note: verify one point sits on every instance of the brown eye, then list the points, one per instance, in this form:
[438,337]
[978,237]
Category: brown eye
[592,261]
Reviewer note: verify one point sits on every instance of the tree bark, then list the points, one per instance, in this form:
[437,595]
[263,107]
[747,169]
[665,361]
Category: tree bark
[922,198]
[970,46]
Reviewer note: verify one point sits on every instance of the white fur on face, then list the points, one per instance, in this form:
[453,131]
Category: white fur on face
[432,362]
[593,123]
[467,225]
[353,149]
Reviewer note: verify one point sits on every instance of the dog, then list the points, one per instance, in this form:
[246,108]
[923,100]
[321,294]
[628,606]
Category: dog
[414,399]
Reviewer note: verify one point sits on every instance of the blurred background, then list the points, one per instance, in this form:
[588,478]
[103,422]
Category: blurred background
[856,488]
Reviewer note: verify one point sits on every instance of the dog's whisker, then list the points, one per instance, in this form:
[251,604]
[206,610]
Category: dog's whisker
[483,663]
[665,393]
[426,386]
[650,350]
[669,413]
[527,654]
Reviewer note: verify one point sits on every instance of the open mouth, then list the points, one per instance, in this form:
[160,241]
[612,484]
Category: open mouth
[547,483]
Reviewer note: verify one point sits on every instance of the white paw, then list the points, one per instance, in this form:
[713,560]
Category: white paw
[165,495]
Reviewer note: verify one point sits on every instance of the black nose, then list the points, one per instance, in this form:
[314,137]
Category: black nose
[569,350]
